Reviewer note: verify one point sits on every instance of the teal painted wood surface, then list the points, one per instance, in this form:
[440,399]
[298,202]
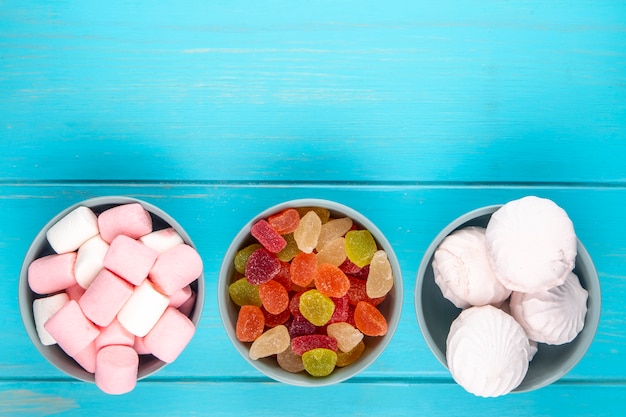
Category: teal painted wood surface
[411,112]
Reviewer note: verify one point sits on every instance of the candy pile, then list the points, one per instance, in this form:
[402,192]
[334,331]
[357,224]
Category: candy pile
[308,289]
[113,290]
[522,263]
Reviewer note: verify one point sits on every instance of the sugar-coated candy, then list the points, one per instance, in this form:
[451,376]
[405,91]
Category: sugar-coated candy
[290,250]
[308,231]
[302,344]
[116,369]
[176,268]
[74,229]
[272,342]
[300,326]
[333,253]
[273,320]
[342,309]
[380,278]
[43,309]
[169,336]
[250,323]
[316,307]
[131,220]
[303,268]
[319,362]
[369,320]
[52,273]
[350,268]
[294,303]
[162,240]
[267,236]
[331,230]
[143,309]
[274,297]
[90,260]
[348,358]
[243,293]
[358,292]
[322,213]
[105,297]
[71,329]
[130,259]
[360,247]
[262,266]
[289,361]
[347,337]
[284,276]
[285,221]
[331,281]
[242,255]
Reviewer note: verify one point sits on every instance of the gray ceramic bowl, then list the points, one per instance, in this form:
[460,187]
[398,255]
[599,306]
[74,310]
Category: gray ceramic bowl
[391,308]
[148,364]
[435,313]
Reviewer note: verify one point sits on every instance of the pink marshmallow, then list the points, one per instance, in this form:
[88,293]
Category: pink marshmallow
[87,358]
[170,335]
[105,297]
[116,369]
[187,307]
[140,346]
[114,334]
[131,220]
[130,259]
[179,297]
[75,292]
[71,329]
[52,273]
[176,268]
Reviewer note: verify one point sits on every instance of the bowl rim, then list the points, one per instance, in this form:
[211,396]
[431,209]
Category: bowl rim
[592,317]
[224,279]
[51,353]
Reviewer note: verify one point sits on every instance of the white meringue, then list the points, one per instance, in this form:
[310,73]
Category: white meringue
[487,351]
[463,272]
[553,316]
[531,244]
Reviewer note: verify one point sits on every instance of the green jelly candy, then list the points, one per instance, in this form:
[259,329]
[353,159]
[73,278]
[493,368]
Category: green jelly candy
[348,358]
[289,251]
[360,247]
[316,307]
[241,257]
[243,293]
[319,362]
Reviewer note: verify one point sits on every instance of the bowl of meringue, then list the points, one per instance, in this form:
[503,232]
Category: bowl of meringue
[507,297]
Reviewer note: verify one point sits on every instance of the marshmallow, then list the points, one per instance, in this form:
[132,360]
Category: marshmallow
[75,292]
[131,220]
[143,309]
[140,346]
[114,334]
[71,329]
[116,369]
[89,260]
[43,309]
[52,273]
[170,335]
[87,358]
[162,240]
[179,297]
[73,230]
[176,268]
[187,307]
[130,259]
[105,297]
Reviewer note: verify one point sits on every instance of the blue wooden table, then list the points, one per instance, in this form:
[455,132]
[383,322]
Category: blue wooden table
[412,112]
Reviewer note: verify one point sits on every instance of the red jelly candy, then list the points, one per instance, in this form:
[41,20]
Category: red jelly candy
[342,306]
[358,292]
[273,320]
[267,236]
[302,344]
[294,303]
[300,326]
[303,268]
[331,281]
[274,297]
[250,323]
[369,320]
[285,222]
[284,277]
[262,266]
[349,268]
[350,319]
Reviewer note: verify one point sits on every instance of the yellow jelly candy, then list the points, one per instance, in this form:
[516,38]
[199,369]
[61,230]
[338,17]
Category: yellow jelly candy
[316,307]
[348,358]
[241,257]
[243,293]
[319,362]
[360,247]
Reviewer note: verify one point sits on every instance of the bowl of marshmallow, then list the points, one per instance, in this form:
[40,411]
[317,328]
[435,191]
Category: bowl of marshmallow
[507,297]
[111,290]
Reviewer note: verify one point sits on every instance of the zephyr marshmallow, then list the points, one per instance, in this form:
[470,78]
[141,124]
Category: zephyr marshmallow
[131,220]
[87,357]
[89,260]
[73,230]
[176,268]
[105,297]
[143,309]
[130,259]
[170,335]
[43,309]
[75,292]
[162,240]
[114,334]
[52,273]
[179,297]
[463,272]
[71,329]
[116,369]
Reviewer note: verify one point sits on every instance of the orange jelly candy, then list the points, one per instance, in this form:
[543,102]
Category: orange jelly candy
[274,297]
[285,222]
[331,281]
[250,323]
[303,268]
[369,320]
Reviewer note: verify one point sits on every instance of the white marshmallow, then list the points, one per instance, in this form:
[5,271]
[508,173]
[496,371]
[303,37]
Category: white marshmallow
[89,260]
[43,309]
[162,240]
[73,230]
[143,309]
